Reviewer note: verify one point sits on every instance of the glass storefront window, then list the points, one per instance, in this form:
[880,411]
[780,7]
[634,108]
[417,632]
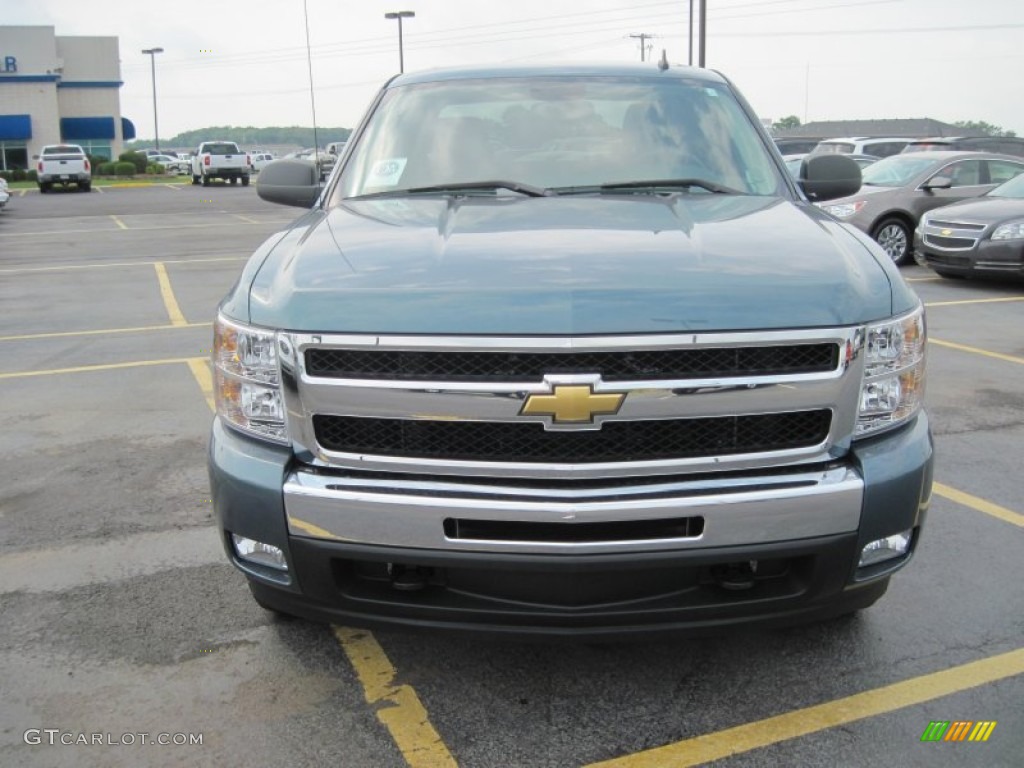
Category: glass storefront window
[13,155]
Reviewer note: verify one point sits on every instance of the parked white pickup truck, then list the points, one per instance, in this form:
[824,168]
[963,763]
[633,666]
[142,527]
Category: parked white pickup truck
[220,160]
[63,164]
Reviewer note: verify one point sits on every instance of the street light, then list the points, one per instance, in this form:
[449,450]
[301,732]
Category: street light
[400,15]
[152,61]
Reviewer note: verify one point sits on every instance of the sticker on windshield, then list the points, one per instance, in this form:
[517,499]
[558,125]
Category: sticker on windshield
[386,173]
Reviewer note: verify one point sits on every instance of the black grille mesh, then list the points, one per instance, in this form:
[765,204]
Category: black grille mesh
[531,366]
[530,442]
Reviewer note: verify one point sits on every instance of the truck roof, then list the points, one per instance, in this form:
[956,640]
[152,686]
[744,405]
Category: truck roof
[540,70]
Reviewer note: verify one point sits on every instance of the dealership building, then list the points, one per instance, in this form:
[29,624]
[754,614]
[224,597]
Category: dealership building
[56,89]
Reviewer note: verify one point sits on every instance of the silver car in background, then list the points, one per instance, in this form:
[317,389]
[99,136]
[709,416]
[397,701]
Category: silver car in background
[896,191]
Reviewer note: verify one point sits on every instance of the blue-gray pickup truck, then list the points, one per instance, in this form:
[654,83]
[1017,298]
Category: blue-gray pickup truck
[566,351]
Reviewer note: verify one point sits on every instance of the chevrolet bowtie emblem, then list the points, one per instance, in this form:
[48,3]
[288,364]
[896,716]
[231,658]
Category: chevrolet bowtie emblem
[572,403]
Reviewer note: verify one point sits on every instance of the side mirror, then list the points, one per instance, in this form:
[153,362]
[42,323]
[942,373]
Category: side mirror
[938,182]
[289,182]
[828,176]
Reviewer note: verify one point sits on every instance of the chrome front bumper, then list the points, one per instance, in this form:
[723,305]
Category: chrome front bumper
[735,510]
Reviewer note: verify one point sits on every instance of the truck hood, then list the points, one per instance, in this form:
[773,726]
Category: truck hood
[568,266]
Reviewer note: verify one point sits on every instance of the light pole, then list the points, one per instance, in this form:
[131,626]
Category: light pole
[400,15]
[152,64]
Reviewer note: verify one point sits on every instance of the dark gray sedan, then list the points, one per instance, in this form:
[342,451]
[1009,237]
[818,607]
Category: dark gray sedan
[898,190]
[983,237]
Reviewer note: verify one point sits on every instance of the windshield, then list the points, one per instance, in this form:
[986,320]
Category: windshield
[558,132]
[895,171]
[1014,188]
[63,149]
[221,149]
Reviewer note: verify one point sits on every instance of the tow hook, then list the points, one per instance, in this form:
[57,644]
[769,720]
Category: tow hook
[735,576]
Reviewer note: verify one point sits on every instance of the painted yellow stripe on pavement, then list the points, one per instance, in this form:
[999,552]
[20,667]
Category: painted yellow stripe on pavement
[104,367]
[58,232]
[978,504]
[399,708]
[960,302]
[801,722]
[117,221]
[108,265]
[167,293]
[201,371]
[976,351]
[101,332]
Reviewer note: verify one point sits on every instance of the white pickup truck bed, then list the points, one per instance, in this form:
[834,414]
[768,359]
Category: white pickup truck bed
[220,160]
[63,164]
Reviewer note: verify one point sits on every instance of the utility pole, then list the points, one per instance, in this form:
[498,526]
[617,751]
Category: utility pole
[152,65]
[703,34]
[690,62]
[398,16]
[643,37]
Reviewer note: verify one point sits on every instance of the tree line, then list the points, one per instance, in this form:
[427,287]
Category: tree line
[247,137]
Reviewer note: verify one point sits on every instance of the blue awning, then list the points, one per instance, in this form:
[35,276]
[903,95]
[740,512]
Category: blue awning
[86,128]
[15,127]
[127,129]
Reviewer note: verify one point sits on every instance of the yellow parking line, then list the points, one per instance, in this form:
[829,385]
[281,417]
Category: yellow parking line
[104,367]
[55,232]
[978,504]
[167,293]
[930,304]
[400,708]
[101,332]
[801,722]
[201,371]
[117,221]
[108,265]
[976,351]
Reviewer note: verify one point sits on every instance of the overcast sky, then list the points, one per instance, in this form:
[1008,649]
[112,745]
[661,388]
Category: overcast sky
[228,62]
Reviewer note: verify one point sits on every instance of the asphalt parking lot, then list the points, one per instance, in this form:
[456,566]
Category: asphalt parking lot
[122,618]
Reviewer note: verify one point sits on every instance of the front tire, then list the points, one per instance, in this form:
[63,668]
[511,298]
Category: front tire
[894,236]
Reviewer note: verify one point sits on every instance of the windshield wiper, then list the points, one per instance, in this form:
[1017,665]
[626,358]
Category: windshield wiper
[654,185]
[515,186]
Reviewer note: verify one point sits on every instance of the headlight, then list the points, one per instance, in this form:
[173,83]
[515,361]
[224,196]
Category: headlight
[1012,230]
[247,380]
[843,210]
[892,391]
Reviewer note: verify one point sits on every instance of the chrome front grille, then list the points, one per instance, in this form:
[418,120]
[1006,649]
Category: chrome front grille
[613,365]
[457,406]
[950,235]
[649,440]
